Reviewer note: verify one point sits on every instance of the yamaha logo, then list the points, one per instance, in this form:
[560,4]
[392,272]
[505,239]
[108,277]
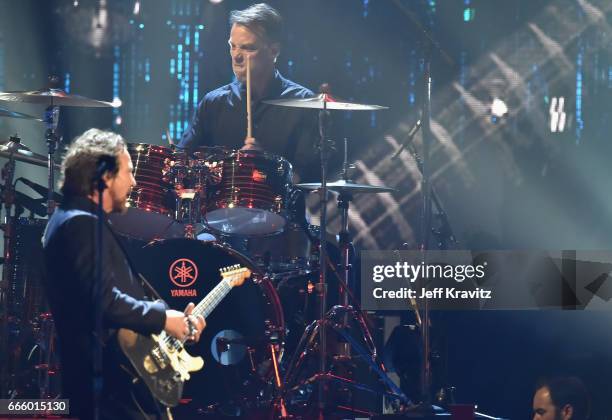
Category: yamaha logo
[183,272]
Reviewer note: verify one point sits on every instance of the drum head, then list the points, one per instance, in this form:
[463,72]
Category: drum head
[145,225]
[252,194]
[245,221]
[234,345]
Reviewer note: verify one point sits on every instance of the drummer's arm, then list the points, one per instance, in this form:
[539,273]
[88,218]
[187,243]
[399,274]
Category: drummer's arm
[197,132]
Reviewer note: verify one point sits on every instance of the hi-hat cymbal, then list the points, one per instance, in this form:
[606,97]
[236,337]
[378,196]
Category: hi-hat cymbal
[22,153]
[55,97]
[324,101]
[347,186]
[13,114]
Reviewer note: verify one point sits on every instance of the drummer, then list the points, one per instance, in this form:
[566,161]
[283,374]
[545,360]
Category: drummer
[221,117]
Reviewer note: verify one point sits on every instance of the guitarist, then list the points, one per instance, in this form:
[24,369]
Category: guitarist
[70,254]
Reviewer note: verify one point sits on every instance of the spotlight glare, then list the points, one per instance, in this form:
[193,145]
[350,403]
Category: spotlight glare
[557,115]
[499,108]
[215,1]
[136,7]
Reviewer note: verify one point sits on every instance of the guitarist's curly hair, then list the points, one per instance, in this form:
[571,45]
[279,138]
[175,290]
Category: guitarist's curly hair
[80,161]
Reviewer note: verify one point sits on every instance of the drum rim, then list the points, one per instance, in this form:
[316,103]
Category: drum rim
[128,145]
[257,153]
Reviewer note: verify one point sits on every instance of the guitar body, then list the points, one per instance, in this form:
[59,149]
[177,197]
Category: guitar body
[160,360]
[163,367]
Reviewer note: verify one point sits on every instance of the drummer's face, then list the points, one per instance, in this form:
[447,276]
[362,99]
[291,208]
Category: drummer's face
[244,42]
[120,185]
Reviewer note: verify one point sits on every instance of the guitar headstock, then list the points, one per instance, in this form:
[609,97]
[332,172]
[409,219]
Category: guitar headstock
[235,274]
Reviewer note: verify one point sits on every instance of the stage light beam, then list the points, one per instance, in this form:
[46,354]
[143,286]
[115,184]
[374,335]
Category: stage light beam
[498,108]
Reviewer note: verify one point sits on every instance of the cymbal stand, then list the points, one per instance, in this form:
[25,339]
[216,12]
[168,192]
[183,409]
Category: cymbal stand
[340,319]
[321,287]
[51,120]
[367,353]
[8,198]
[344,199]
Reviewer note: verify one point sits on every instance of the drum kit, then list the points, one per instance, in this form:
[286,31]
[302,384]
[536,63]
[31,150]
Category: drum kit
[274,341]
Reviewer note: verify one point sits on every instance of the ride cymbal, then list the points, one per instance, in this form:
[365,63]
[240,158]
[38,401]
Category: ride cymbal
[324,101]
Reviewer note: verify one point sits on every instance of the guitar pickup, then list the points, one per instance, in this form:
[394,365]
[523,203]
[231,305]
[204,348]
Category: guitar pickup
[160,357]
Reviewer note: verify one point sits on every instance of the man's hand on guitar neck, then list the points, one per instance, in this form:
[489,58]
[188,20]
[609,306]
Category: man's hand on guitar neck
[183,325]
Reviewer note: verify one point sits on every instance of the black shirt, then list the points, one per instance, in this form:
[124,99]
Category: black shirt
[221,120]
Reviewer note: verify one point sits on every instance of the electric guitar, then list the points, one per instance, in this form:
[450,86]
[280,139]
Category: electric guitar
[161,360]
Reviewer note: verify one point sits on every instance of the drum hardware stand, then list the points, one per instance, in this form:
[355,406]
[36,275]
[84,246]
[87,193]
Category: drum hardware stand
[425,406]
[321,287]
[344,199]
[8,198]
[51,119]
[444,233]
[337,318]
[334,320]
[278,405]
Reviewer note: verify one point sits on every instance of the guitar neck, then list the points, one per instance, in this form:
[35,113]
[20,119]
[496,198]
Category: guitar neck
[210,302]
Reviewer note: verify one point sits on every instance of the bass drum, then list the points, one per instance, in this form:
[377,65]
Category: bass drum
[236,342]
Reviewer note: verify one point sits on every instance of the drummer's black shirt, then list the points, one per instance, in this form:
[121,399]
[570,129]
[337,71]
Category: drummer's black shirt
[221,120]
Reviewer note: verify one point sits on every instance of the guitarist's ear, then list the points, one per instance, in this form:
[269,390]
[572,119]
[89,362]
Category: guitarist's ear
[108,179]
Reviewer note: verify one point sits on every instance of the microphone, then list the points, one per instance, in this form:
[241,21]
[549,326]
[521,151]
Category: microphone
[411,134]
[106,163]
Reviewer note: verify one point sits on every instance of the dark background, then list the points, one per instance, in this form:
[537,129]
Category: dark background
[504,182]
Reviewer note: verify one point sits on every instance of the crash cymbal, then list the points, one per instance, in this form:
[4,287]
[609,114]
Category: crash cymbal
[347,186]
[13,114]
[55,97]
[324,101]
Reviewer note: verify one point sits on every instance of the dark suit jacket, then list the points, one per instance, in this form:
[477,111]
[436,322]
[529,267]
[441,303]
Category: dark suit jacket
[69,253]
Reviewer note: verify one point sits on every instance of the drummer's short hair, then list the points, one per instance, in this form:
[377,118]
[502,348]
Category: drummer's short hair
[262,19]
[81,159]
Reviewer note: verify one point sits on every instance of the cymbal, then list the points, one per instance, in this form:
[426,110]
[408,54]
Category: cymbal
[347,186]
[13,114]
[324,101]
[55,97]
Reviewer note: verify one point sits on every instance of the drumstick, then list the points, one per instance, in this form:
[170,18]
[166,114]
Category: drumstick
[248,89]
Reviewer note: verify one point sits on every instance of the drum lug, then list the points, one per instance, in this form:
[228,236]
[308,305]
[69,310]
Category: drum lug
[278,204]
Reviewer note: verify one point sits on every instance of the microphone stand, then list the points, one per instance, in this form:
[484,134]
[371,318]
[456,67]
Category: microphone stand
[444,233]
[408,140]
[426,401]
[97,296]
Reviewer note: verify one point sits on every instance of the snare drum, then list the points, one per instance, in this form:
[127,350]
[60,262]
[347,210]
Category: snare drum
[151,204]
[252,195]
